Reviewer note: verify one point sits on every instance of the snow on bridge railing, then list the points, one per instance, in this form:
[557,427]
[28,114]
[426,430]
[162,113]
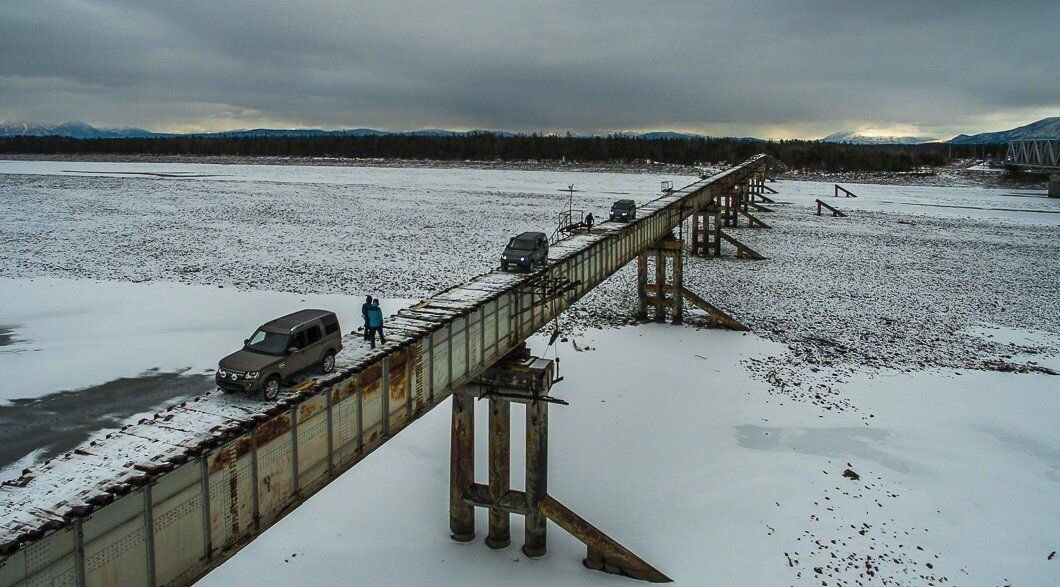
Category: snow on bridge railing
[159,501]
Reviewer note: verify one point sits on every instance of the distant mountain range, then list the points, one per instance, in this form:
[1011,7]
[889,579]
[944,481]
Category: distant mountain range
[1045,128]
[75,129]
[855,138]
[81,130]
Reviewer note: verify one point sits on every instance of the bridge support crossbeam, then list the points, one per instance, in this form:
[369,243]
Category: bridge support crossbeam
[657,293]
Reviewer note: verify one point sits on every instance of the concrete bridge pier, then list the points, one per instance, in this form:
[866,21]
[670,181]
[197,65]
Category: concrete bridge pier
[1054,185]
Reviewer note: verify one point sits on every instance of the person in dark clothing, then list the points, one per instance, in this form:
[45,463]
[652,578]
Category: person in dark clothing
[589,221]
[375,323]
[367,305]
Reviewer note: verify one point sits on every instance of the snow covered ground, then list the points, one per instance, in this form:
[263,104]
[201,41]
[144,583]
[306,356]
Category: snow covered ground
[68,334]
[913,340]
[405,232]
[670,448]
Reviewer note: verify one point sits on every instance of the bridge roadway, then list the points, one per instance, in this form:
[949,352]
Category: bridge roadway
[164,500]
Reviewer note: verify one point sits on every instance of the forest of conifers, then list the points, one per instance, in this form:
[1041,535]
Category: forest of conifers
[796,154]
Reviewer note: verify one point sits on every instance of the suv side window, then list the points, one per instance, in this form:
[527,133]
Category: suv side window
[331,325]
[313,334]
[298,340]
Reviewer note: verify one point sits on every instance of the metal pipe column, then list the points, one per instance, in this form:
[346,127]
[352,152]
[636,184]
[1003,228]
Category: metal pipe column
[462,468]
[536,476]
[500,469]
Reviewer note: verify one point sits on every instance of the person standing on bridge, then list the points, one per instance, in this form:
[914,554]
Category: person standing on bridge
[367,305]
[375,323]
[589,221]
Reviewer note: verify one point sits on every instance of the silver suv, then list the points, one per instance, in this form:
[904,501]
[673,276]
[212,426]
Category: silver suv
[279,349]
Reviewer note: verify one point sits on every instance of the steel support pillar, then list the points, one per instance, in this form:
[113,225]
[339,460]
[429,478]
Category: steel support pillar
[660,280]
[462,468]
[500,471]
[536,477]
[642,286]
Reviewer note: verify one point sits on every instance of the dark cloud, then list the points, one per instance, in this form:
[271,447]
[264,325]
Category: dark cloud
[770,67]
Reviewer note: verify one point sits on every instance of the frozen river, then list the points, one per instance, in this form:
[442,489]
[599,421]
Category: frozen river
[913,340]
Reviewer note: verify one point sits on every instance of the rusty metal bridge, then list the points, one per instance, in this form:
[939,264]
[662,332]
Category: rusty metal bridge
[163,501]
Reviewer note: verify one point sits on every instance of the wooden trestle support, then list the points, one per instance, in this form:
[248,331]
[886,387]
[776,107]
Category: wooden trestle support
[521,378]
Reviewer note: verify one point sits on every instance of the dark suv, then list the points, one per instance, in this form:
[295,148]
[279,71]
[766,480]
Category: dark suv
[278,350]
[624,211]
[525,251]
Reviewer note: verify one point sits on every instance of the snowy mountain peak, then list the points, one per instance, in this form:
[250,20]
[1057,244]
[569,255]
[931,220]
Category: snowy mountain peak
[1046,128]
[73,128]
[856,138]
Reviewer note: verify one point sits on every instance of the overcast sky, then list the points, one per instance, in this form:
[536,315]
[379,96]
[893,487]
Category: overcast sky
[767,68]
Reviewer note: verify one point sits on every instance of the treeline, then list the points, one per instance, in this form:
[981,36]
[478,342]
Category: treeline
[797,154]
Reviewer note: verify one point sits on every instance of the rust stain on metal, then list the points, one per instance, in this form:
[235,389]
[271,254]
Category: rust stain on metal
[372,380]
[233,502]
[273,428]
[416,372]
[221,459]
[243,446]
[345,390]
[307,410]
[397,375]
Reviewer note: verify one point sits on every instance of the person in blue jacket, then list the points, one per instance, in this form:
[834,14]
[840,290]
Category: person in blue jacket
[375,323]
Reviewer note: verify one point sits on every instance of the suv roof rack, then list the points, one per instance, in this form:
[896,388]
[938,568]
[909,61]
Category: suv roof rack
[294,320]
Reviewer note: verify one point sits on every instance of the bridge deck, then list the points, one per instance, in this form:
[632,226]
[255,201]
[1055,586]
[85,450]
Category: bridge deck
[228,467]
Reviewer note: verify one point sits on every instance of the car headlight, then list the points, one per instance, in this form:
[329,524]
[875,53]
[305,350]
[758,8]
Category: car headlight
[522,258]
[505,257]
[252,374]
[221,373]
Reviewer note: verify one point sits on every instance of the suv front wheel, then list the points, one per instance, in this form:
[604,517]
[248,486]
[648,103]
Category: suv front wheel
[271,389]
